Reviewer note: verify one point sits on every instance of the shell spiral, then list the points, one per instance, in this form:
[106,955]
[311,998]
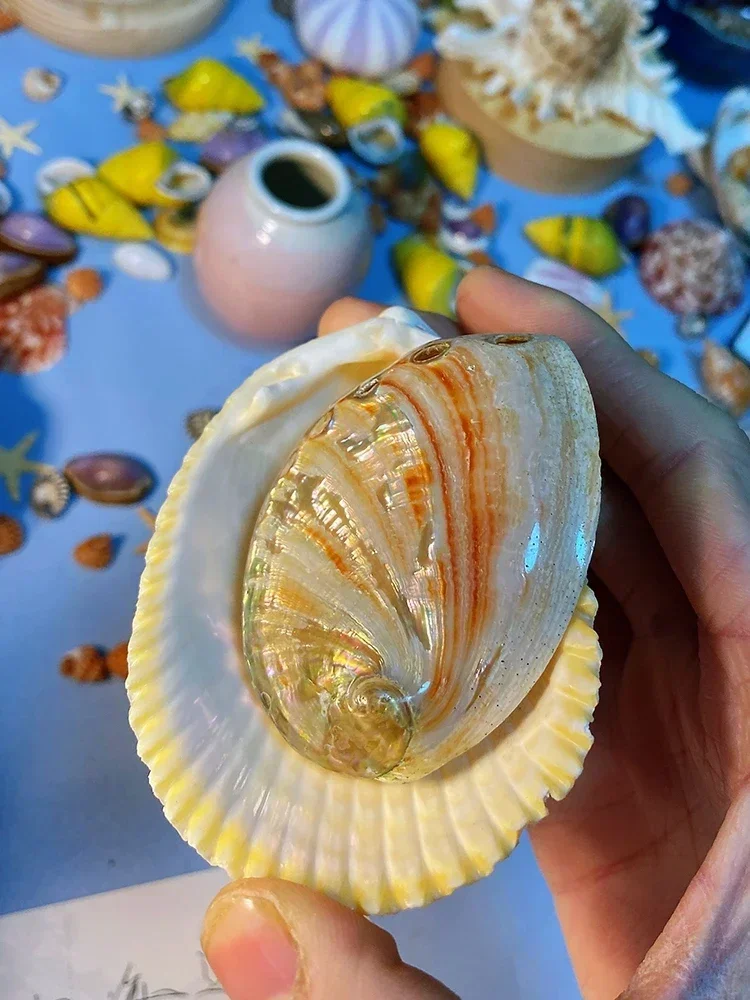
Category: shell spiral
[573,39]
[414,567]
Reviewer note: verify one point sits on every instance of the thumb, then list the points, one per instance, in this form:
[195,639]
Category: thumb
[267,939]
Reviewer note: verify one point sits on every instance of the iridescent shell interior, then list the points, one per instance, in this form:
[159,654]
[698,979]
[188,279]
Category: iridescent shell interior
[414,566]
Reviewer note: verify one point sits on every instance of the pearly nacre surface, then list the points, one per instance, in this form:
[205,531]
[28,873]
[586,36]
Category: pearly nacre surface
[414,566]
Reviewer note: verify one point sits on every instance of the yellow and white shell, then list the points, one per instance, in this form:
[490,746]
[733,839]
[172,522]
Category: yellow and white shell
[229,781]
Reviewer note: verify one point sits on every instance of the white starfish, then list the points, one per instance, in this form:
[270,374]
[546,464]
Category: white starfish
[251,48]
[122,92]
[17,137]
[13,463]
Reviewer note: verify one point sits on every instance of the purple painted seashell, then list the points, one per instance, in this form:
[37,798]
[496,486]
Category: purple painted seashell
[466,228]
[109,478]
[32,234]
[18,272]
[630,217]
[228,145]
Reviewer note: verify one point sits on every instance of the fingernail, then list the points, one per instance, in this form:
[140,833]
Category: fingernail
[249,947]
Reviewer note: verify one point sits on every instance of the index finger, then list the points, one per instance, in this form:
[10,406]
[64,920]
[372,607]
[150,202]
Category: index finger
[685,461]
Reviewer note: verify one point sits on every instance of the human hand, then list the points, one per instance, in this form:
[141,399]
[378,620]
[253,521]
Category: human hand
[669,771]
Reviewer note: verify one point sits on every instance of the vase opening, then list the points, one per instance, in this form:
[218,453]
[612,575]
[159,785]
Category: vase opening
[299,183]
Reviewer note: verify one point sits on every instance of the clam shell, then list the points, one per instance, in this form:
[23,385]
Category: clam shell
[232,786]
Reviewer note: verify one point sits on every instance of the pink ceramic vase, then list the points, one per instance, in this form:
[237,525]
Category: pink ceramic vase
[282,235]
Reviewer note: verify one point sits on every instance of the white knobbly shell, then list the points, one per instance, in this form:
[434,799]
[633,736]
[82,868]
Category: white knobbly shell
[139,260]
[231,784]
[414,567]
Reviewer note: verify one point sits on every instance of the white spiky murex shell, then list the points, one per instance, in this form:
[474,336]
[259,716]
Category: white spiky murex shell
[578,58]
[484,474]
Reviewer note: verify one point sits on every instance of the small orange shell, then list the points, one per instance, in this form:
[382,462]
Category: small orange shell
[726,378]
[11,535]
[84,284]
[96,552]
[679,184]
[117,660]
[84,664]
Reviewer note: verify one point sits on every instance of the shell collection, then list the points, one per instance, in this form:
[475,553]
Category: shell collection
[369,38]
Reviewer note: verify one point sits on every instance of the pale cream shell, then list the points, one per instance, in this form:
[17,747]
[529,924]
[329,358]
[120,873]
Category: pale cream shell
[229,783]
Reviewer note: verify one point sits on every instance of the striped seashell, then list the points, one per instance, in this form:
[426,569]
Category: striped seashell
[232,785]
[368,38]
[573,39]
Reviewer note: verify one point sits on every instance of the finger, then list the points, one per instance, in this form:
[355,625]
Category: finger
[686,462]
[348,311]
[266,938]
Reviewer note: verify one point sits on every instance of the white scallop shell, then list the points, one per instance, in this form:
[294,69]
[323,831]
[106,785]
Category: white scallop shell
[141,261]
[364,37]
[59,172]
[231,785]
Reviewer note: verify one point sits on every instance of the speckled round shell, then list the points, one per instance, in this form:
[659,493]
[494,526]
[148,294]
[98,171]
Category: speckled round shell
[229,782]
[364,37]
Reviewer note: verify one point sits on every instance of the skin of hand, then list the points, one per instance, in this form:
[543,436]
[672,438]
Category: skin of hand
[648,858]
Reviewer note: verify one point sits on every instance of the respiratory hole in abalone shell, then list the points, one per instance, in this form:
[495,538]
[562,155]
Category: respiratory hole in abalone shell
[370,728]
[430,352]
[511,338]
[299,183]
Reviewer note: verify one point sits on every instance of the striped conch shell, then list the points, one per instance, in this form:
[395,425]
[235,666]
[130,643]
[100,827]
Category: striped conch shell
[362,657]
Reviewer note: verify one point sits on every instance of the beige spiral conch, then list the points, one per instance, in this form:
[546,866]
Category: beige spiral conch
[362,657]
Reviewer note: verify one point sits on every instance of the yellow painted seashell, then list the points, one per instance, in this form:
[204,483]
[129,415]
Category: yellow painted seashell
[402,435]
[354,101]
[586,243]
[89,205]
[453,154]
[210,85]
[429,276]
[135,172]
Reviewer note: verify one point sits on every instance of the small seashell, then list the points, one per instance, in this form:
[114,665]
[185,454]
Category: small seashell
[316,126]
[136,172]
[428,276]
[109,478]
[691,326]
[139,107]
[679,184]
[18,273]
[463,237]
[726,153]
[630,218]
[176,228]
[302,86]
[33,334]
[378,141]
[452,153]
[150,131]
[738,164]
[141,261]
[367,38]
[6,199]
[197,421]
[693,268]
[198,126]
[588,244]
[116,660]
[422,69]
[229,144]
[210,85]
[356,101]
[32,234]
[84,664]
[726,378]
[59,172]
[422,109]
[41,84]
[50,495]
[93,207]
[185,181]
[96,552]
[84,284]
[11,535]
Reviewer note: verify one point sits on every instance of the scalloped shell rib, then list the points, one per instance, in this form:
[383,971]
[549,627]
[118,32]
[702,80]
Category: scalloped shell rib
[415,565]
[229,782]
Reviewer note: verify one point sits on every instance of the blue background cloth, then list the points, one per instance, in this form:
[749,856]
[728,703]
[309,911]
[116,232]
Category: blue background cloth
[76,812]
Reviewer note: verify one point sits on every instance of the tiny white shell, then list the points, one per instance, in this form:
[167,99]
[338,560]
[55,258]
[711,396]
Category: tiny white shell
[141,261]
[59,172]
[6,199]
[378,141]
[41,84]
[185,181]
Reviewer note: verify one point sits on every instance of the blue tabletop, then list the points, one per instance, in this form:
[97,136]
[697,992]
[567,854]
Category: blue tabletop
[76,812]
